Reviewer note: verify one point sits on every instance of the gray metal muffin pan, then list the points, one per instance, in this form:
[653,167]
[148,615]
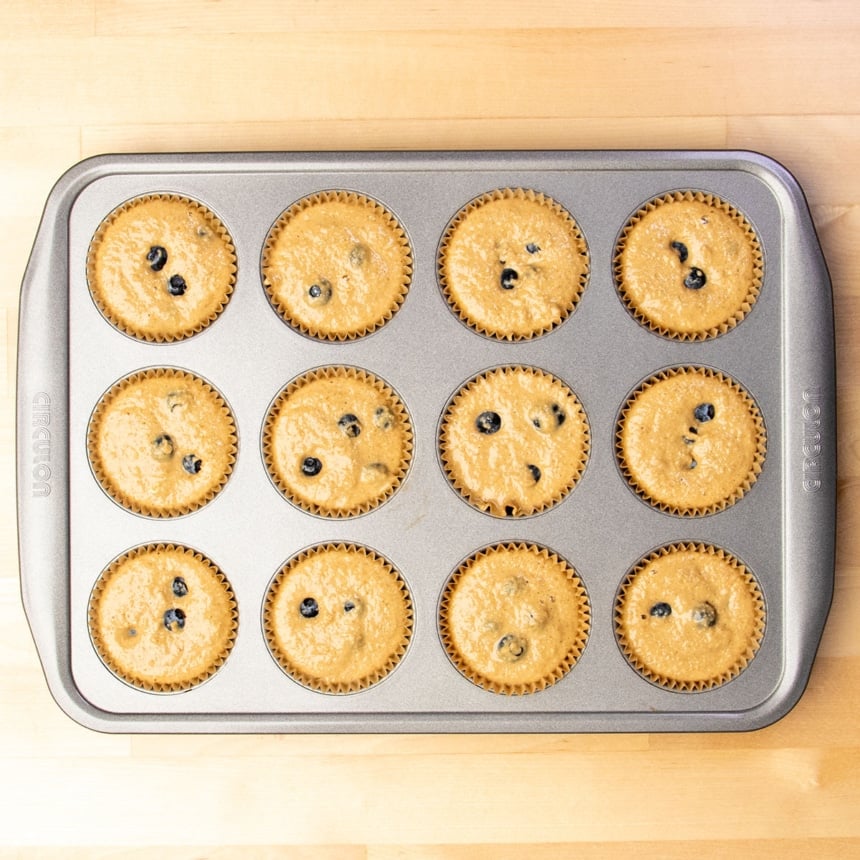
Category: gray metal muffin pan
[783,353]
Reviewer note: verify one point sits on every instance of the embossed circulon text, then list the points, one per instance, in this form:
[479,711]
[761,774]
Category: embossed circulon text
[812,450]
[41,442]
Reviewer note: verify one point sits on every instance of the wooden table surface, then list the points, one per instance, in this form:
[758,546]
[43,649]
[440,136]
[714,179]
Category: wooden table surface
[91,76]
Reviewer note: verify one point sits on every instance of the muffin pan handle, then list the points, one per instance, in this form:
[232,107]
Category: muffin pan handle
[42,443]
[809,445]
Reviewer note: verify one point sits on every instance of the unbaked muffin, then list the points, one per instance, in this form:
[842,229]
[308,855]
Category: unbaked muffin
[336,265]
[688,265]
[337,441]
[514,441]
[689,617]
[163,617]
[162,442]
[513,264]
[690,441]
[161,267]
[338,617]
[514,618]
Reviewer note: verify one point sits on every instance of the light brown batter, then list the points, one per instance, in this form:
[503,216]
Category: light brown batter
[514,441]
[690,617]
[689,265]
[163,618]
[162,442]
[338,441]
[338,618]
[691,441]
[513,264]
[337,265]
[514,618]
[140,251]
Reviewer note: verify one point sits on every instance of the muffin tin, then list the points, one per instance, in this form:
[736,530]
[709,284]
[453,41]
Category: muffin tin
[782,352]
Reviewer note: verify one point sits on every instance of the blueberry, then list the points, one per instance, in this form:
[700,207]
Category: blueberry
[156,257]
[348,606]
[488,422]
[511,648]
[178,398]
[696,279]
[358,255]
[179,587]
[681,250]
[535,471]
[549,418]
[176,286]
[383,418]
[162,447]
[174,619]
[350,424]
[192,464]
[705,615]
[311,466]
[320,292]
[532,248]
[309,608]
[693,464]
[660,610]
[704,412]
[514,585]
[374,471]
[507,279]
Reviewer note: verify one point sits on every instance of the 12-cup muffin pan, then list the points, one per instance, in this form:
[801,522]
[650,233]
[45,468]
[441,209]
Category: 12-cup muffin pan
[782,353]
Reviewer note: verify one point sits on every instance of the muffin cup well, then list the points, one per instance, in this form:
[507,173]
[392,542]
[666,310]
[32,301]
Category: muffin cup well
[677,287]
[499,602]
[166,459]
[336,265]
[145,301]
[682,431]
[180,562]
[542,268]
[538,432]
[338,629]
[703,649]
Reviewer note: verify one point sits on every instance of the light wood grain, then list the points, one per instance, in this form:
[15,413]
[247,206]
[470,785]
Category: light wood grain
[385,75]
[77,79]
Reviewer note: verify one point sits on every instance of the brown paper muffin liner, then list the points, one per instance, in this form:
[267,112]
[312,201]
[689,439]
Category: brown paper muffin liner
[477,494]
[392,415]
[545,323]
[385,632]
[138,328]
[700,619]
[532,616]
[628,469]
[352,329]
[112,483]
[145,681]
[732,317]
